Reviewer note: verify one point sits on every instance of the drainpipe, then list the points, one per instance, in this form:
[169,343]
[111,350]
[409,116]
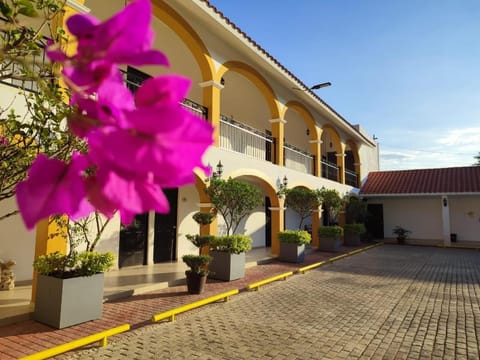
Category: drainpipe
[446,220]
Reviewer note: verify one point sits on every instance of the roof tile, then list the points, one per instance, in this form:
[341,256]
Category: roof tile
[423,181]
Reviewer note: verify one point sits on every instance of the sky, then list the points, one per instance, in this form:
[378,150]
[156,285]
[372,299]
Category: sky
[407,71]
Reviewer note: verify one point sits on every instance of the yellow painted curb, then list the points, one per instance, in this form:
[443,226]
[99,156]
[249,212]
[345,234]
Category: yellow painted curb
[170,314]
[321,263]
[312,266]
[101,337]
[256,285]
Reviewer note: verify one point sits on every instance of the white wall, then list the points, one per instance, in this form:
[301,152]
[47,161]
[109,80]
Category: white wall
[422,216]
[465,217]
[16,242]
[254,226]
[187,206]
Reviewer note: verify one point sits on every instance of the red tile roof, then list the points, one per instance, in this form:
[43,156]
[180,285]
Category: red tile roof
[423,181]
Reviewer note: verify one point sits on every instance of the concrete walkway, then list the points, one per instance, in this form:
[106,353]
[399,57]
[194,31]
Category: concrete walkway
[391,302]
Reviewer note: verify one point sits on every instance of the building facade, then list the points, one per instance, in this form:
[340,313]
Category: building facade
[269,127]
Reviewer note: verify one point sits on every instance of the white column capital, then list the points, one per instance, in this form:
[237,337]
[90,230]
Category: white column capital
[272,121]
[211,83]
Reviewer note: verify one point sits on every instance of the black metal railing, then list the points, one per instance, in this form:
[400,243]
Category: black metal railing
[351,178]
[134,78]
[329,170]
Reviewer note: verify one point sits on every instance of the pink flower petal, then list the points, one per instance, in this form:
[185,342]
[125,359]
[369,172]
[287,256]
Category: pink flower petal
[162,90]
[52,187]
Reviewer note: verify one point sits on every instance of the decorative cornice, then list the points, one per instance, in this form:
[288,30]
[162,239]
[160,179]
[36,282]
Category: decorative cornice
[211,83]
[77,6]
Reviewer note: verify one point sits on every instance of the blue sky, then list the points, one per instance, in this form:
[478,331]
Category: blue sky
[408,71]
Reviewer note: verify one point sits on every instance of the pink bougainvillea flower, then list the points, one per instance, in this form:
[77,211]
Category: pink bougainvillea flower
[162,90]
[53,187]
[168,142]
[109,190]
[125,38]
[108,107]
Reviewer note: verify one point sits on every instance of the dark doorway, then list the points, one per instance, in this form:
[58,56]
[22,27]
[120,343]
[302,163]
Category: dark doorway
[268,222]
[133,242]
[165,241]
[374,221]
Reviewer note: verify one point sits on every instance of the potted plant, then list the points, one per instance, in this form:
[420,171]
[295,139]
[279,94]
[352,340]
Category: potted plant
[292,245]
[70,286]
[352,233]
[330,238]
[228,256]
[202,242]
[401,233]
[197,275]
[330,234]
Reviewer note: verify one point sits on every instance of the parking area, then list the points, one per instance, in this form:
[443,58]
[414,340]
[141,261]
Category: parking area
[391,302]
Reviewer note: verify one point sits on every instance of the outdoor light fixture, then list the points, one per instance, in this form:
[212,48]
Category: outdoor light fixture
[216,174]
[314,87]
[319,86]
[445,203]
[219,171]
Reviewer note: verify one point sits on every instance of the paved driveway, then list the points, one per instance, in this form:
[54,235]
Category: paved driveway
[391,302]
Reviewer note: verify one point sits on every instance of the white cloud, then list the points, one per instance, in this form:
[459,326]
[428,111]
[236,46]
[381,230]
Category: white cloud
[436,148]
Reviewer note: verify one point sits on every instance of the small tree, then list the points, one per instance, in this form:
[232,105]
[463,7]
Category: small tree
[42,128]
[332,203]
[233,199]
[477,160]
[355,210]
[303,201]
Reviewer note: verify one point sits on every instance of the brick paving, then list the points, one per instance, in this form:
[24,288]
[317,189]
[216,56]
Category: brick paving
[28,337]
[391,302]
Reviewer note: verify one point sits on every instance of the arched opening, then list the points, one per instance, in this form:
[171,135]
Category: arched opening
[330,148]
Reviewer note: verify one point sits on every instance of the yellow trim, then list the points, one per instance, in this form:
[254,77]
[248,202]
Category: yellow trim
[312,266]
[255,77]
[170,314]
[256,285]
[321,263]
[101,337]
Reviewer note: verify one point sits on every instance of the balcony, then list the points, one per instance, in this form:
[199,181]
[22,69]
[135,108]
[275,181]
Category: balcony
[298,160]
[134,78]
[329,170]
[351,178]
[245,139]
[13,74]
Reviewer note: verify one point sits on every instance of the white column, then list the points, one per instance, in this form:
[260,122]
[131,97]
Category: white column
[150,237]
[446,220]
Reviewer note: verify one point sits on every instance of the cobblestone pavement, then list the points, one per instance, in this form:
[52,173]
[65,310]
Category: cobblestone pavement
[392,302]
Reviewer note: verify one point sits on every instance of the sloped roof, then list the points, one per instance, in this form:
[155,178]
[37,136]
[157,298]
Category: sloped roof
[455,180]
[301,84]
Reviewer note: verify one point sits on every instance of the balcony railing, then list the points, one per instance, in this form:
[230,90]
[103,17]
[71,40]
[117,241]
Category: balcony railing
[351,178]
[329,170]
[244,139]
[134,80]
[297,159]
[13,74]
